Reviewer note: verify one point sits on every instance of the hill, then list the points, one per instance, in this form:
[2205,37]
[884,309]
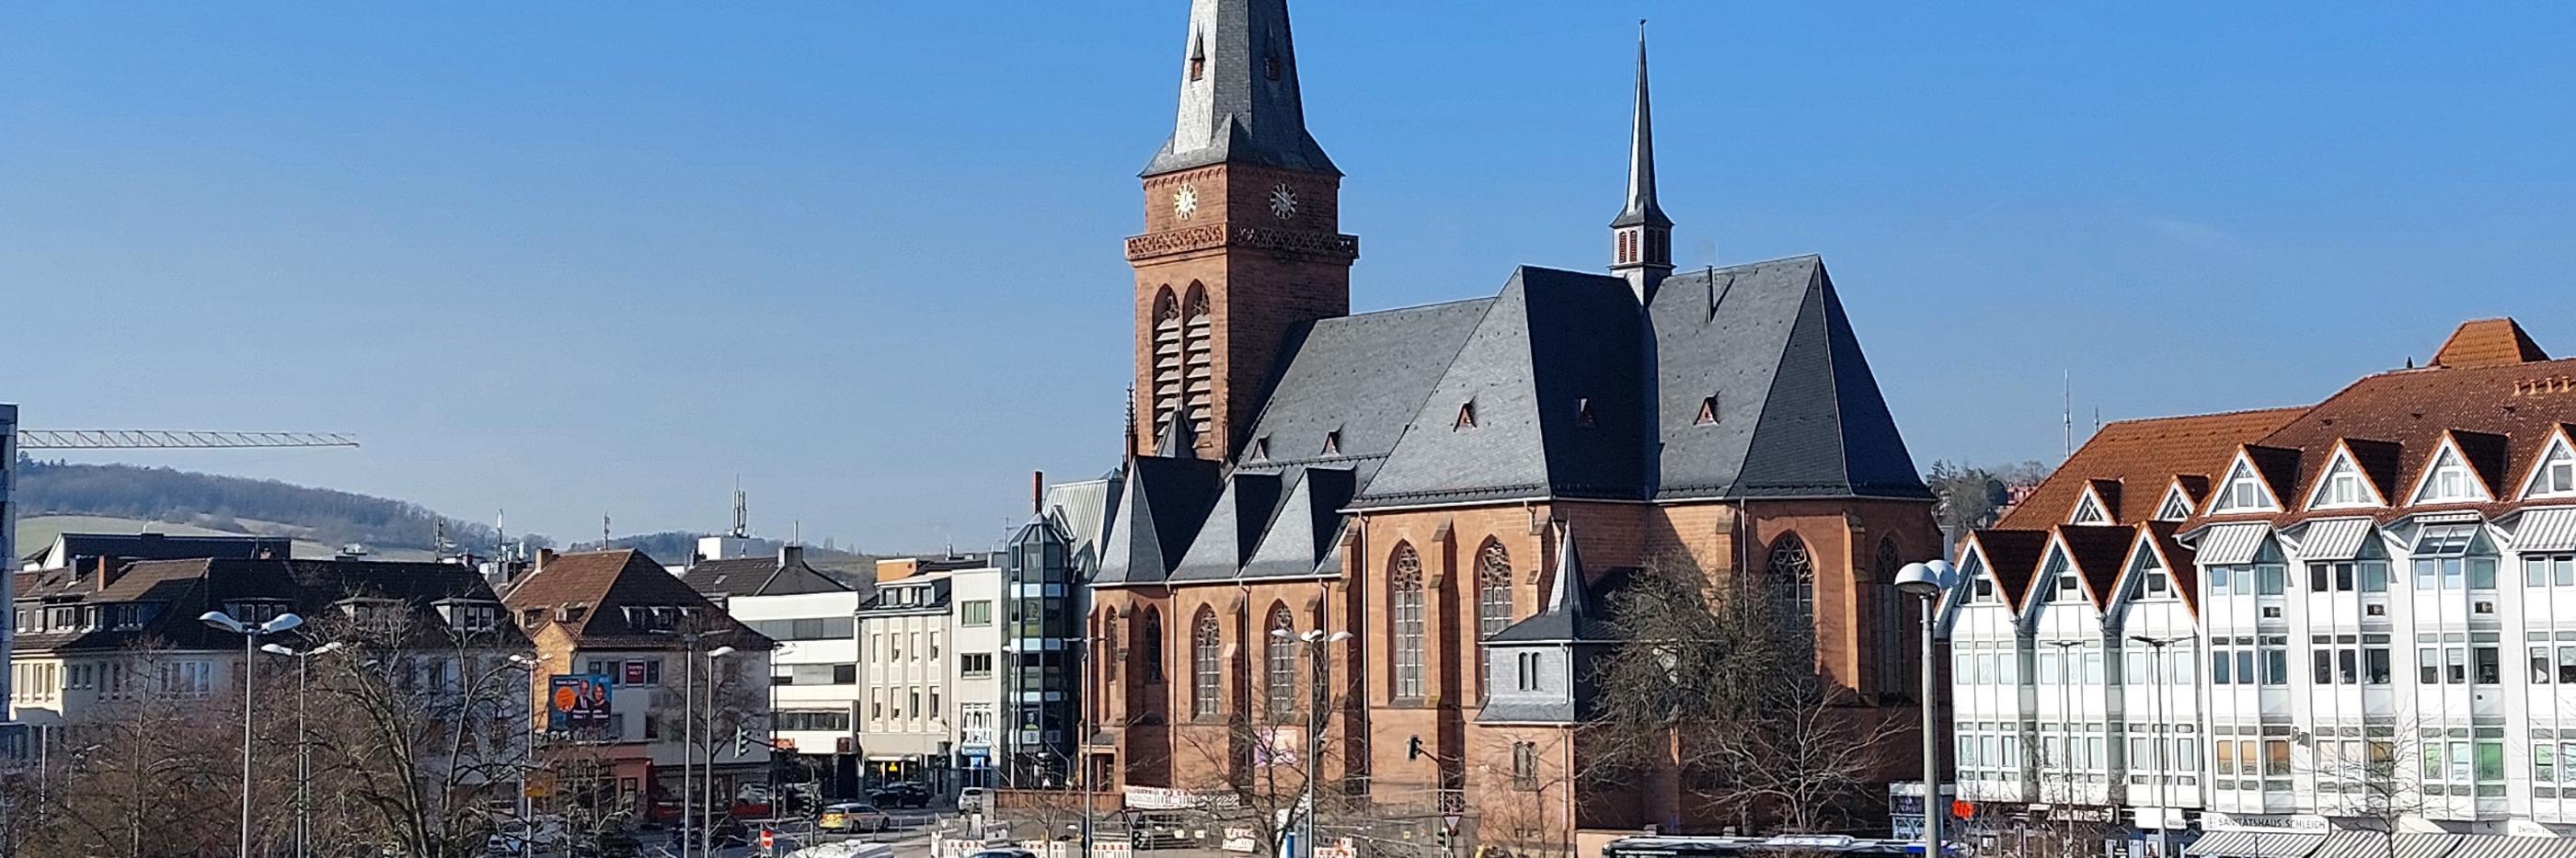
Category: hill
[132,495]
[37,532]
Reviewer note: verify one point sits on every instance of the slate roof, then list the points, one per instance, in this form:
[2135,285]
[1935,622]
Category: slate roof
[1798,413]
[1236,111]
[1554,346]
[758,576]
[1357,380]
[1233,529]
[185,589]
[1164,504]
[1305,538]
[70,549]
[1569,615]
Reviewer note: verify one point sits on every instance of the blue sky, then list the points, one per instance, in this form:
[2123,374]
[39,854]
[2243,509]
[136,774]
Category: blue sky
[568,259]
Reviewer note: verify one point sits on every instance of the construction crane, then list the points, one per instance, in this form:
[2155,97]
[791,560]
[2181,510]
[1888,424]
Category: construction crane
[141,439]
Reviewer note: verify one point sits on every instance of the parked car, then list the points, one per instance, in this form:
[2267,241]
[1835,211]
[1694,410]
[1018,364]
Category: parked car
[853,816]
[900,794]
[971,800]
[1004,853]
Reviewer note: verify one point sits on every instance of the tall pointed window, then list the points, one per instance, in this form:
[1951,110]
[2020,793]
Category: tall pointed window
[1167,359]
[1404,612]
[1198,363]
[1894,659]
[1206,675]
[1280,693]
[1792,569]
[2557,473]
[1493,601]
[1149,640]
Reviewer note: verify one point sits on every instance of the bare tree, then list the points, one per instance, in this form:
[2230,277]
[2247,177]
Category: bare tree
[1719,683]
[2367,779]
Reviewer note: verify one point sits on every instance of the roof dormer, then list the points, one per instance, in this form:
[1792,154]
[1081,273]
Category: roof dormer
[2180,498]
[2343,484]
[2244,490]
[2553,475]
[2448,478]
[2095,504]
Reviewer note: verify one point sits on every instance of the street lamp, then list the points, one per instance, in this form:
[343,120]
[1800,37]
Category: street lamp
[707,775]
[528,762]
[1314,639]
[1927,581]
[250,640]
[2164,801]
[303,741]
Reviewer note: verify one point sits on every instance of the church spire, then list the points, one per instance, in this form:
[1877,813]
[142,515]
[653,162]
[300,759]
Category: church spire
[1239,100]
[1642,236]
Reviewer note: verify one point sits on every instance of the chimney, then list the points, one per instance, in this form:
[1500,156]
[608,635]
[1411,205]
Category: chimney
[790,555]
[108,570]
[1037,492]
[543,555]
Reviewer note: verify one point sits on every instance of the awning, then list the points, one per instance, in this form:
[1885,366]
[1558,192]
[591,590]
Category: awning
[2501,846]
[2354,844]
[2335,539]
[2232,543]
[2547,529]
[2426,845]
[2256,844]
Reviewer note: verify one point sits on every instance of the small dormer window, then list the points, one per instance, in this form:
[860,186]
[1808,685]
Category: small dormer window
[1270,65]
[1261,449]
[1333,442]
[1583,412]
[1707,412]
[2176,506]
[2449,480]
[1983,593]
[2243,491]
[253,612]
[465,616]
[2557,474]
[1466,416]
[2089,511]
[2341,486]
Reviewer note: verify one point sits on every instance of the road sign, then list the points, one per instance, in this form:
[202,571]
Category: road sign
[1449,822]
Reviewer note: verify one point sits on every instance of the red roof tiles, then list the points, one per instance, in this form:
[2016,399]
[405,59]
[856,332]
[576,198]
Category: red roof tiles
[2146,455]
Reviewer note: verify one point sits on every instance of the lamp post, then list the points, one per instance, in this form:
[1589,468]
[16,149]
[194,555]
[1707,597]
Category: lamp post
[250,643]
[527,762]
[1927,581]
[707,774]
[303,741]
[1314,639]
[2164,802]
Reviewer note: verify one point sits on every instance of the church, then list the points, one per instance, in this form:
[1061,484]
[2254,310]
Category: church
[1417,508]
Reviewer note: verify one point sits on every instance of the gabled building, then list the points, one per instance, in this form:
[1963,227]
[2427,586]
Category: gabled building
[620,616]
[2369,591]
[814,685]
[1404,474]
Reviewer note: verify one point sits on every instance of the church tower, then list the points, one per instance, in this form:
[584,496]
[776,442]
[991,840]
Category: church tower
[1642,237]
[1242,235]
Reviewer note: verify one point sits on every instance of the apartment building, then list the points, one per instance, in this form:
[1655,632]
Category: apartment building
[975,688]
[2320,631]
[814,690]
[621,617]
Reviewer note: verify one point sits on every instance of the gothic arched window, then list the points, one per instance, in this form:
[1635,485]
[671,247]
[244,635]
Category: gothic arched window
[1792,569]
[1198,366]
[1894,666]
[1404,604]
[1207,677]
[1166,395]
[1149,640]
[1493,600]
[1281,689]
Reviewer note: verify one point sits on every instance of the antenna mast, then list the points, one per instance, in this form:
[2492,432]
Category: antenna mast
[2069,413]
[741,511]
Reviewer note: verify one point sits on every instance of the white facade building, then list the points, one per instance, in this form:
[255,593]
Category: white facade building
[814,690]
[975,596]
[2319,632]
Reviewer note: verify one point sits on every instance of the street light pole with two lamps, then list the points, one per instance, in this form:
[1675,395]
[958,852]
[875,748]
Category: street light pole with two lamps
[250,642]
[1927,581]
[303,741]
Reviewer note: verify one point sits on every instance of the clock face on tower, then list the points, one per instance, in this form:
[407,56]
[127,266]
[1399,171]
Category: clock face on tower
[1185,202]
[1283,201]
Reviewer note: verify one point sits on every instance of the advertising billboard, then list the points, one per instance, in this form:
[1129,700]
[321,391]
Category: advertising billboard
[577,703]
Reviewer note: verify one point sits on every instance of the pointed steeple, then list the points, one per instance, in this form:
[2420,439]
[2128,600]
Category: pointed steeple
[1565,596]
[1180,439]
[1642,237]
[1239,100]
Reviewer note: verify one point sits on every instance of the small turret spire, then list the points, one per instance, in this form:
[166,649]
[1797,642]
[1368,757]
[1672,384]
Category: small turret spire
[1642,236]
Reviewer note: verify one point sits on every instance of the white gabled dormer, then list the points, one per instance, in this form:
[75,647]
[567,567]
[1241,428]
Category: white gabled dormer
[2089,509]
[2177,504]
[2344,486]
[2449,479]
[2145,578]
[2555,475]
[2244,490]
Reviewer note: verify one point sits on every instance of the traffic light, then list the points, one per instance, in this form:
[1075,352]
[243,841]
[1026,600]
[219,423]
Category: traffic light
[741,742]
